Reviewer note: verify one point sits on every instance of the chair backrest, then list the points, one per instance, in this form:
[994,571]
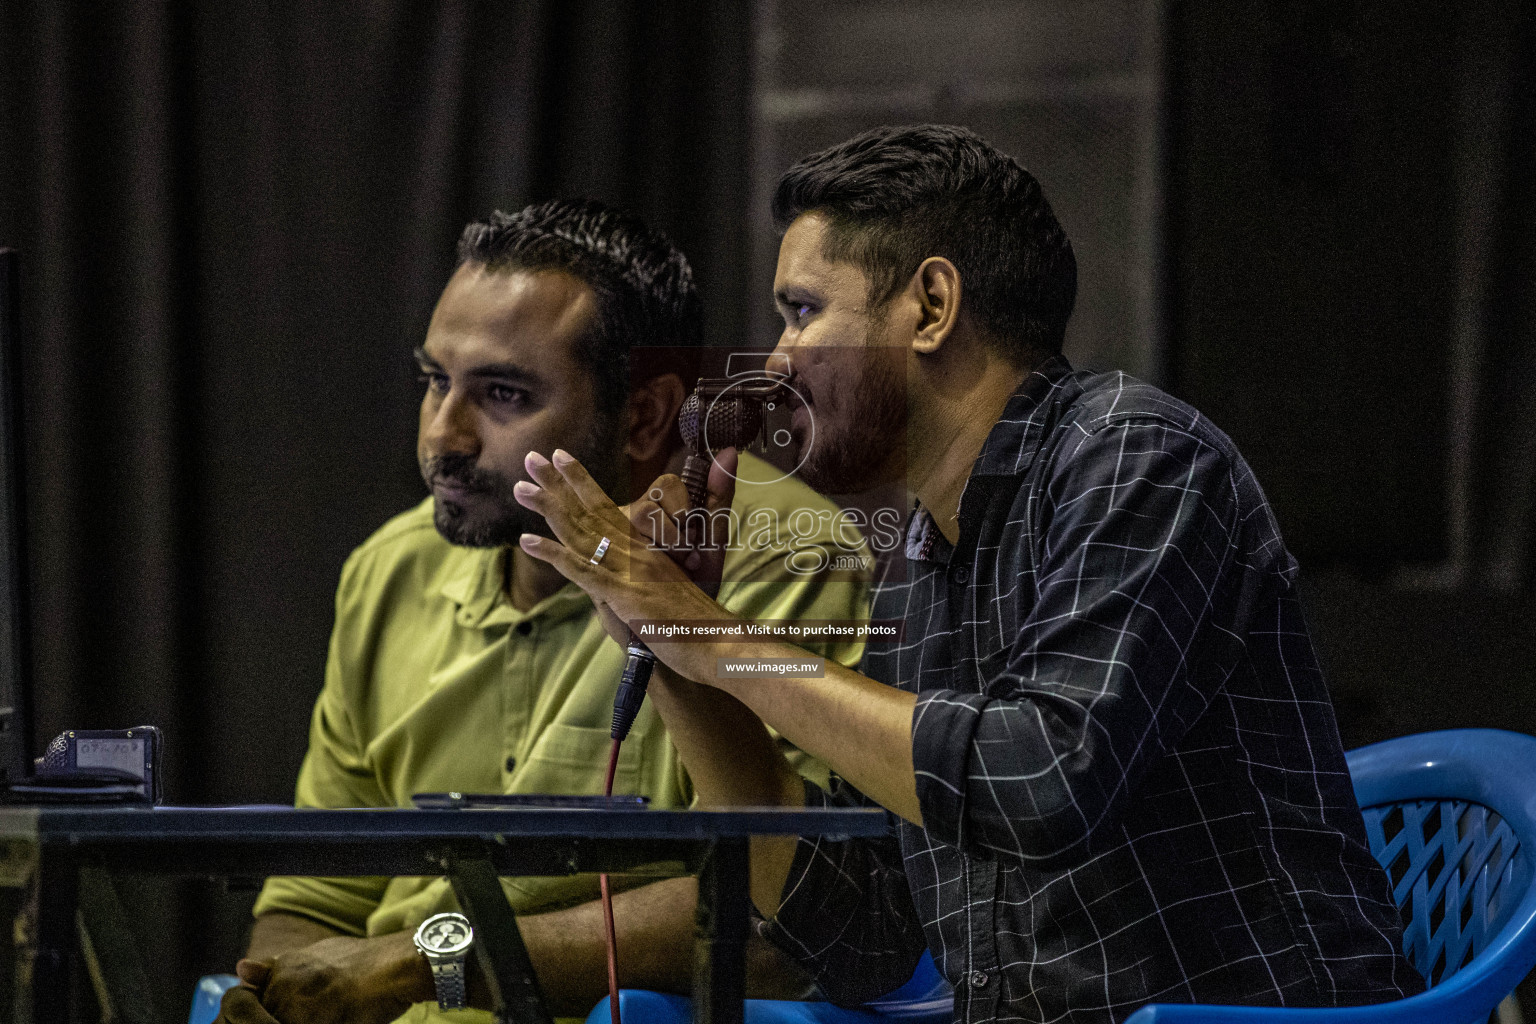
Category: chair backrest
[1454,867]
[1452,817]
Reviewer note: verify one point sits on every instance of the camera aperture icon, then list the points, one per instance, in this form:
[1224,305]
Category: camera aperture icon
[779,437]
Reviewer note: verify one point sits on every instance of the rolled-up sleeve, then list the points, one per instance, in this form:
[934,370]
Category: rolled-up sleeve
[1135,560]
[847,913]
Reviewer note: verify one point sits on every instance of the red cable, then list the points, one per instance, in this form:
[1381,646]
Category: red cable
[610,935]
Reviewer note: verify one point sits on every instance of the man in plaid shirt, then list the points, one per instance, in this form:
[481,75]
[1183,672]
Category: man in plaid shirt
[1109,755]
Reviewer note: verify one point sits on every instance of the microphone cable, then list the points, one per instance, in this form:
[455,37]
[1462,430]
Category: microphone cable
[730,423]
[638,665]
[611,940]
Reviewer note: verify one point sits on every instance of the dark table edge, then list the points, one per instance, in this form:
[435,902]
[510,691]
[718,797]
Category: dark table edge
[90,825]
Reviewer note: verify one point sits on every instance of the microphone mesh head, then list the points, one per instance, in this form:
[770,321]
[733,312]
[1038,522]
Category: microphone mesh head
[734,421]
[688,420]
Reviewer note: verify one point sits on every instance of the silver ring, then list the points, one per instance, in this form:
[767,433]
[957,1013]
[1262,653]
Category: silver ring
[602,549]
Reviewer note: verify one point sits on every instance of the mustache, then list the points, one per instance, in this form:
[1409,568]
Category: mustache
[461,471]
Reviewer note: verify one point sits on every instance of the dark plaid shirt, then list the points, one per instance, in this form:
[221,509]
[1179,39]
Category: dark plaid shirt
[1131,781]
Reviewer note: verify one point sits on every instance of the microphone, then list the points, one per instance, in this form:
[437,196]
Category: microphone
[732,418]
[722,412]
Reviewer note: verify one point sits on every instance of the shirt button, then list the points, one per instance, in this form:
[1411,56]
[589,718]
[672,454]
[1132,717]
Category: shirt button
[963,574]
[524,628]
[511,763]
[978,979]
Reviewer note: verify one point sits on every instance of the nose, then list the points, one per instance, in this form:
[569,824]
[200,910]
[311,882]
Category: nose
[791,360]
[781,360]
[778,363]
[448,425]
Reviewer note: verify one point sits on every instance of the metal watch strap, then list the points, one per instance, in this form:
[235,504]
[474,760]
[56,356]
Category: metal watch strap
[448,978]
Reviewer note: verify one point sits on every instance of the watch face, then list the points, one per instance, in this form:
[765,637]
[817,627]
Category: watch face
[448,933]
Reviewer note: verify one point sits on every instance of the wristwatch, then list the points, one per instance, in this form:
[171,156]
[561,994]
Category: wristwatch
[444,939]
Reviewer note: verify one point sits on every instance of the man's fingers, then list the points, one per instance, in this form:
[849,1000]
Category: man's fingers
[670,493]
[548,479]
[580,482]
[241,1005]
[558,555]
[600,583]
[561,517]
[572,526]
[722,479]
[578,522]
[658,515]
[651,523]
[254,972]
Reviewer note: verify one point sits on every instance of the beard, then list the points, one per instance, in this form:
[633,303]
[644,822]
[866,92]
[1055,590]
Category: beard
[491,517]
[853,445]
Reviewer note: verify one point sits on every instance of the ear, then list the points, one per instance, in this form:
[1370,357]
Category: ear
[653,407]
[935,287]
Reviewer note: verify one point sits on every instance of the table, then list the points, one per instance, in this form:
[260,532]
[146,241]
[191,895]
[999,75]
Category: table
[471,847]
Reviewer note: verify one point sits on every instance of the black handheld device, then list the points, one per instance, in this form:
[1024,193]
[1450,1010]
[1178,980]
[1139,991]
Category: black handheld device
[97,766]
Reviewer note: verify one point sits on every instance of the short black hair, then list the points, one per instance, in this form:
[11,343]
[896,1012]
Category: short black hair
[894,196]
[643,284]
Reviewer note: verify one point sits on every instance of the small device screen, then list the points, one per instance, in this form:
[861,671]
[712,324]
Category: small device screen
[125,754]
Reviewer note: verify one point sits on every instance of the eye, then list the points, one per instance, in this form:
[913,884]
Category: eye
[796,313]
[437,383]
[505,394]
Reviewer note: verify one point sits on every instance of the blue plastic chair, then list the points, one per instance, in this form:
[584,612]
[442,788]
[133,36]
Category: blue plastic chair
[205,1000]
[926,998]
[1452,817]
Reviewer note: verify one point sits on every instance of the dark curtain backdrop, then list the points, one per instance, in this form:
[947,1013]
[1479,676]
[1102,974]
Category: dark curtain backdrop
[1505,535]
[1351,273]
[1350,192]
[235,218]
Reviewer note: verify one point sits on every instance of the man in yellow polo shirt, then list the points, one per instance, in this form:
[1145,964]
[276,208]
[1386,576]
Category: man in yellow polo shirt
[458,663]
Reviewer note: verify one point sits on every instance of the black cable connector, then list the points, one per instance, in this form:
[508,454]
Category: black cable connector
[638,663]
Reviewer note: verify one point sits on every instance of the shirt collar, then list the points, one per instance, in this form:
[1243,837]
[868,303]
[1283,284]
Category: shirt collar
[475,585]
[1010,447]
[1032,410]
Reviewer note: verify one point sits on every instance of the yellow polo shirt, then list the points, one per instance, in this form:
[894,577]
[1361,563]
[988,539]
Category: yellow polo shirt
[434,682]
